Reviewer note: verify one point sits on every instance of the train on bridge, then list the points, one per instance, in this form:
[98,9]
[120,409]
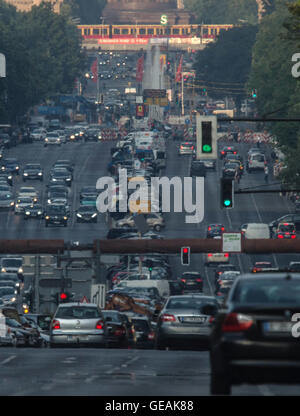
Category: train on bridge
[142,33]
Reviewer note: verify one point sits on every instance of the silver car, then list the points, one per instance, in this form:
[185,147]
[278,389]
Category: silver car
[184,319]
[186,148]
[6,200]
[52,138]
[77,324]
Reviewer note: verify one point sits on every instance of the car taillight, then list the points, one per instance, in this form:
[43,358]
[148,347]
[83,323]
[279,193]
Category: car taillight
[167,318]
[211,319]
[234,153]
[209,228]
[279,236]
[183,280]
[99,325]
[55,324]
[226,255]
[293,236]
[198,280]
[236,322]
[222,153]
[222,229]
[209,255]
[181,147]
[151,335]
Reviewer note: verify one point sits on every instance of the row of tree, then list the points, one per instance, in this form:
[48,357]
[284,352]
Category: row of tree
[43,57]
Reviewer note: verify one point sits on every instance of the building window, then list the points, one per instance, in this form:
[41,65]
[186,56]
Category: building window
[96,31]
[116,31]
[150,32]
[175,31]
[124,31]
[86,31]
[142,31]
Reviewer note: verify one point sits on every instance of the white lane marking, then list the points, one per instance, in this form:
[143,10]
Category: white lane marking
[126,364]
[91,378]
[265,391]
[7,360]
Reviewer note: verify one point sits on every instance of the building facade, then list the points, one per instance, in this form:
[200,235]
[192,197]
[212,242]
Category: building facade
[26,5]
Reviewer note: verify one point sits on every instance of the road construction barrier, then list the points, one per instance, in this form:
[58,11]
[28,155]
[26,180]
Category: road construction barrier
[109,134]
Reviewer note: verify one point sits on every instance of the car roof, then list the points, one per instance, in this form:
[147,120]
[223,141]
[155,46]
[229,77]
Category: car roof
[84,305]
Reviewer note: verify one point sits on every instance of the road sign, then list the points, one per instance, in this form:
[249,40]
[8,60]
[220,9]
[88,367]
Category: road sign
[232,242]
[55,283]
[98,293]
[154,93]
[84,299]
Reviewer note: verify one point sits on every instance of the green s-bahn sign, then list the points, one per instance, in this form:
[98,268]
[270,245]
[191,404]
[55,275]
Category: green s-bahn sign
[163,19]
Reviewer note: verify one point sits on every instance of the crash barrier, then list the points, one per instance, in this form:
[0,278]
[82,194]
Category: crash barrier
[249,136]
[109,134]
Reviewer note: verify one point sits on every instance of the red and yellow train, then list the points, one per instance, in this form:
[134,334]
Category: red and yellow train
[140,31]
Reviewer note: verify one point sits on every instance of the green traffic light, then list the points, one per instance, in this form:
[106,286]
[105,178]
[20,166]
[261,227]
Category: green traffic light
[206,148]
[227,203]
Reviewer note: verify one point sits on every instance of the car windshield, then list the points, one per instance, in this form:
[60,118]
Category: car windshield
[189,303]
[113,317]
[87,209]
[32,166]
[287,228]
[268,292]
[77,312]
[12,262]
[6,291]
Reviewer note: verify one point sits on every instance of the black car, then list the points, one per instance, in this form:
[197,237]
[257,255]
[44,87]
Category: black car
[176,287]
[117,232]
[32,171]
[8,177]
[10,165]
[56,188]
[230,170]
[143,332]
[226,149]
[197,168]
[93,135]
[254,338]
[214,230]
[64,163]
[86,214]
[192,281]
[61,174]
[56,215]
[34,211]
[88,191]
[117,332]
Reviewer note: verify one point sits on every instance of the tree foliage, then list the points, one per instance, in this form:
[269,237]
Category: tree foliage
[223,66]
[223,11]
[43,57]
[88,11]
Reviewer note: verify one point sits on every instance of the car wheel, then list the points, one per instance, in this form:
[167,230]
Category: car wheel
[219,384]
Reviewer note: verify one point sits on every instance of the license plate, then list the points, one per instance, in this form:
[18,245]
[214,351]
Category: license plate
[70,337]
[84,337]
[190,283]
[191,319]
[278,327]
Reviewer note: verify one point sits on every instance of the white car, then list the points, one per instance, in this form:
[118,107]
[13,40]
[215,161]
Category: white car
[52,138]
[22,203]
[216,258]
[257,161]
[28,191]
[38,134]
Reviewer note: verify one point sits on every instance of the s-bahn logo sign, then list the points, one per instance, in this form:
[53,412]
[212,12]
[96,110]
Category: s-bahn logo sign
[163,19]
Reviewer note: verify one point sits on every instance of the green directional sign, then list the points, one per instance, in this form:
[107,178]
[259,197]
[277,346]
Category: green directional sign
[163,19]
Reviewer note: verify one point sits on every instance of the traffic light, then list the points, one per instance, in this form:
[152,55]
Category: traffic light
[206,137]
[254,93]
[185,256]
[226,194]
[64,297]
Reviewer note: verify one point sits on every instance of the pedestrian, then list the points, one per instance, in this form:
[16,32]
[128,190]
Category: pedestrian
[266,174]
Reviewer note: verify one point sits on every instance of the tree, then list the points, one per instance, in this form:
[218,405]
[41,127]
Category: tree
[223,11]
[223,67]
[43,57]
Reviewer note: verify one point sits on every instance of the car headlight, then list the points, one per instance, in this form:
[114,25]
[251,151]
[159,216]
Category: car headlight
[12,204]
[72,137]
[13,299]
[17,205]
[3,270]
[94,215]
[65,218]
[17,168]
[40,174]
[58,140]
[25,174]
[79,215]
[27,213]
[47,217]
[68,179]
[9,177]
[46,140]
[35,199]
[20,270]
[49,201]
[39,212]
[17,284]
[54,180]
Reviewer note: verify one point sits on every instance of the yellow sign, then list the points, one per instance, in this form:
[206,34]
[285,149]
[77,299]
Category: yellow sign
[140,207]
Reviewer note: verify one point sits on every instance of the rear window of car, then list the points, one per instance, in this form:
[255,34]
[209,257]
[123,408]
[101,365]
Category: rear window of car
[191,276]
[140,324]
[258,158]
[287,228]
[112,317]
[77,312]
[189,303]
[279,291]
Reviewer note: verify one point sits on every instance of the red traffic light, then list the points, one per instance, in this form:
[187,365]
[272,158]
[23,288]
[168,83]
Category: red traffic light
[63,296]
[185,256]
[185,250]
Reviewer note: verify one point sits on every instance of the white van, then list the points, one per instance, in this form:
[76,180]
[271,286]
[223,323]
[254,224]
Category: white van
[257,230]
[257,161]
[162,286]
